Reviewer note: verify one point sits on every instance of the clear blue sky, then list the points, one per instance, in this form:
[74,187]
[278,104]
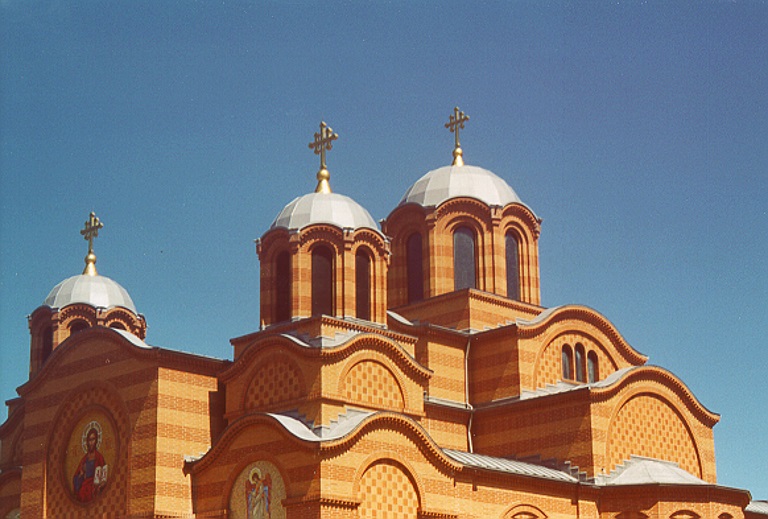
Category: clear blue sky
[637,131]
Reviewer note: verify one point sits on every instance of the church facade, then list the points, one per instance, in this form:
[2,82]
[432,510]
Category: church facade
[405,370]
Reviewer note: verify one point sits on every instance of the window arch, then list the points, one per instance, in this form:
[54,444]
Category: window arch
[579,364]
[414,259]
[322,281]
[592,367]
[567,361]
[283,286]
[77,326]
[362,285]
[464,259]
[513,265]
[117,325]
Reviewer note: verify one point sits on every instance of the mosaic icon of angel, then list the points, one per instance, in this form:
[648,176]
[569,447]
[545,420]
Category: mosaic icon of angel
[257,494]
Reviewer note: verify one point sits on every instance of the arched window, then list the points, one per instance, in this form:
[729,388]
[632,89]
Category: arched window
[592,373]
[463,259]
[322,281]
[415,266]
[117,326]
[567,361]
[283,286]
[513,266]
[363,285]
[580,362]
[77,326]
[47,340]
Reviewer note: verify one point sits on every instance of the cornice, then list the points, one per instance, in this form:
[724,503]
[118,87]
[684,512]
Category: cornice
[163,357]
[365,341]
[641,374]
[556,315]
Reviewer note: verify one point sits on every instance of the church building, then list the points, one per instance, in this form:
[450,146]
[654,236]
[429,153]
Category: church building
[401,370]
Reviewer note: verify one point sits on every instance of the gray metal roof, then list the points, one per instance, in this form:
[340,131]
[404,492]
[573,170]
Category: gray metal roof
[328,208]
[758,507]
[448,182]
[639,470]
[509,466]
[97,291]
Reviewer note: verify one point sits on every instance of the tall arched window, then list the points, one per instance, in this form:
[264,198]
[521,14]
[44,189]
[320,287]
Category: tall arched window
[592,372]
[580,362]
[513,266]
[283,286]
[567,360]
[415,266]
[47,339]
[463,259]
[363,285]
[322,281]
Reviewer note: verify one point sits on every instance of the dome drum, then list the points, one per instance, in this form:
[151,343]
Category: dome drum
[292,262]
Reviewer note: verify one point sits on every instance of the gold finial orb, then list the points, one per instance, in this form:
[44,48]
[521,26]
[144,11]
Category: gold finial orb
[323,186]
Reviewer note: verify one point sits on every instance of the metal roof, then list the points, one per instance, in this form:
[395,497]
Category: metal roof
[509,466]
[328,208]
[639,470]
[97,291]
[448,182]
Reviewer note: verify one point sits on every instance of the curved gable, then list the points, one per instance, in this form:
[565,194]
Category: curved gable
[653,414]
[542,341]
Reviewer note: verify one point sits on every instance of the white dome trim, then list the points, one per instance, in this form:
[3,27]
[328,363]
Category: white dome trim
[327,208]
[448,182]
[97,291]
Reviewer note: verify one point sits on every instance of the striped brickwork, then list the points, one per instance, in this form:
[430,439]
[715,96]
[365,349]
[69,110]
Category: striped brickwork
[494,366]
[489,225]
[10,491]
[368,371]
[469,309]
[344,245]
[57,322]
[651,413]
[666,502]
[540,343]
[183,428]
[147,411]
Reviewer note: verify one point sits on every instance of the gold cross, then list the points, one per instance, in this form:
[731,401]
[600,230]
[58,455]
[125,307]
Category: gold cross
[456,122]
[91,231]
[323,141]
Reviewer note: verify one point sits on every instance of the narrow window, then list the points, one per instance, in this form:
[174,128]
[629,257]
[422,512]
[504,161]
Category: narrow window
[463,259]
[567,360]
[415,268]
[47,338]
[283,287]
[322,281]
[363,285]
[592,372]
[513,266]
[580,362]
[77,326]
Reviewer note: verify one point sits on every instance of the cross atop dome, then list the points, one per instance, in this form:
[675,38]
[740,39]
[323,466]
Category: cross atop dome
[89,232]
[323,141]
[456,122]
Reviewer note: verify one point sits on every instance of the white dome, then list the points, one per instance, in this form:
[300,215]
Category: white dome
[448,182]
[97,291]
[329,208]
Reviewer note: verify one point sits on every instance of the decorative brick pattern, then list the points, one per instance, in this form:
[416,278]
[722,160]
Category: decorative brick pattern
[648,426]
[386,492]
[275,381]
[370,383]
